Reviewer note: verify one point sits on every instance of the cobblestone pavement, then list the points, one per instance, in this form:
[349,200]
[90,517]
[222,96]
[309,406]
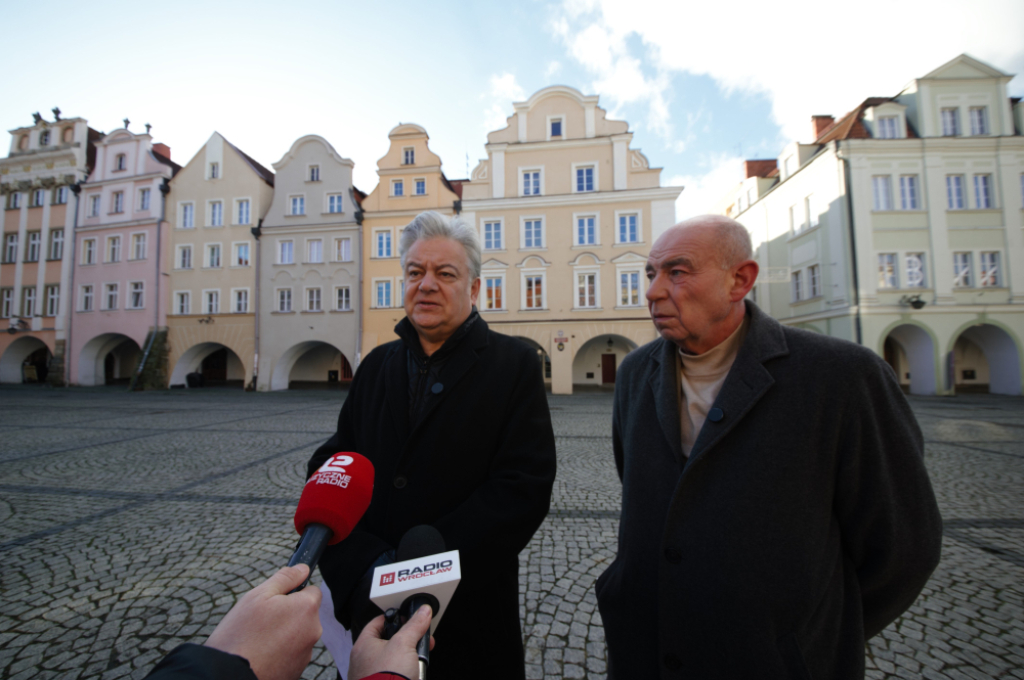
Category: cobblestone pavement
[131,522]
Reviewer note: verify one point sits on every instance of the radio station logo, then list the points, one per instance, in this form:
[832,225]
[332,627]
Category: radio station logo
[387,579]
[333,471]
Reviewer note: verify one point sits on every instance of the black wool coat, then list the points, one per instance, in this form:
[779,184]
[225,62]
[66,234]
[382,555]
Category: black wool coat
[801,525]
[479,467]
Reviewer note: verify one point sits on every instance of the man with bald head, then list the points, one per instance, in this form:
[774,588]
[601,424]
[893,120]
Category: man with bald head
[776,511]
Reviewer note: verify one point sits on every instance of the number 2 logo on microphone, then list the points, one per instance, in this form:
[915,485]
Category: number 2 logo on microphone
[337,463]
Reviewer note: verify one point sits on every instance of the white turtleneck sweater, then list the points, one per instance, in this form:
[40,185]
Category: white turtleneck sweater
[701,379]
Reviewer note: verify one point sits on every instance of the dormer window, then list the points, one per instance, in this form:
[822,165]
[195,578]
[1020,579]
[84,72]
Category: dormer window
[44,138]
[68,135]
[408,156]
[214,170]
[120,162]
[979,120]
[887,128]
[23,143]
[556,127]
[314,173]
[950,122]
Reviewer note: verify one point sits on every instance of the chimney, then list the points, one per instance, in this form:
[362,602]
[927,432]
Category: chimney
[759,168]
[163,150]
[821,123]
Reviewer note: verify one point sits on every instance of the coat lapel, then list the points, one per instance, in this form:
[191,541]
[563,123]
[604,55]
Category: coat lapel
[396,381]
[664,382]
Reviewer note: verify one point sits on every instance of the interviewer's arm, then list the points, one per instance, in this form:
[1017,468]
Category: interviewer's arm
[396,656]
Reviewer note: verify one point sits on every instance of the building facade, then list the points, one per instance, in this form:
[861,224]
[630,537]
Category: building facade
[120,239]
[309,295]
[410,181]
[37,179]
[215,202]
[900,227]
[566,212]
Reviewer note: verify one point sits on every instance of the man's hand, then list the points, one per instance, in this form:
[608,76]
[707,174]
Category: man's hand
[274,631]
[371,654]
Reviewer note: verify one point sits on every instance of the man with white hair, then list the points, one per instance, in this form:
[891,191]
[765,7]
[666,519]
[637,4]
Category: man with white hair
[776,511]
[454,418]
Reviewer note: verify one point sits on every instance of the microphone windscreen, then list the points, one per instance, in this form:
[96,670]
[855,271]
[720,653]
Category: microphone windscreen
[336,495]
[420,541]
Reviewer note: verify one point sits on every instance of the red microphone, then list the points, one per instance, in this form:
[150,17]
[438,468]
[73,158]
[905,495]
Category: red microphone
[332,503]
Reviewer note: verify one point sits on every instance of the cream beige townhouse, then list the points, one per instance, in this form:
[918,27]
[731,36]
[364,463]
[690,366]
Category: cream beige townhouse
[410,181]
[901,227]
[566,212]
[215,203]
[38,181]
[307,330]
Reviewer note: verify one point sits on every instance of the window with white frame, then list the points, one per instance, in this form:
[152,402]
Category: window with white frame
[908,193]
[533,233]
[382,294]
[120,162]
[216,213]
[28,301]
[989,273]
[979,120]
[183,302]
[982,191]
[52,300]
[955,192]
[314,173]
[797,287]
[240,303]
[285,252]
[882,185]
[814,280]
[887,275]
[33,247]
[419,187]
[382,246]
[629,289]
[211,302]
[629,228]
[6,303]
[188,215]
[117,202]
[586,289]
[950,122]
[213,255]
[585,179]
[136,295]
[89,251]
[184,259]
[811,211]
[298,205]
[244,211]
[534,291]
[56,244]
[739,204]
[313,300]
[397,187]
[87,304]
[586,230]
[110,296]
[241,256]
[60,195]
[887,128]
[38,198]
[14,200]
[144,195]
[11,249]
[284,299]
[916,277]
[44,138]
[113,249]
[343,299]
[409,155]
[493,236]
[962,270]
[138,246]
[214,170]
[343,249]
[334,203]
[94,205]
[531,183]
[315,250]
[494,292]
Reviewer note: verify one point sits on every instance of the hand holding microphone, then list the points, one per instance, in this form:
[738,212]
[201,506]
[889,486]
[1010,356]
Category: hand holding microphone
[373,654]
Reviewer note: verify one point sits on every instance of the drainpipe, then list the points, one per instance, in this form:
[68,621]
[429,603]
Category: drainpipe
[853,241]
[165,188]
[359,281]
[256,231]
[76,189]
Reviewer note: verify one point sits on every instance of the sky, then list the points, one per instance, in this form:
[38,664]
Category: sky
[703,85]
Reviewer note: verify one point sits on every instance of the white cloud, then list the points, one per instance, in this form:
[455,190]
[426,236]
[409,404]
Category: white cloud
[504,90]
[703,191]
[553,68]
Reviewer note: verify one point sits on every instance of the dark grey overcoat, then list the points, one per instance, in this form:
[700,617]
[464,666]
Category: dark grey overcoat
[802,524]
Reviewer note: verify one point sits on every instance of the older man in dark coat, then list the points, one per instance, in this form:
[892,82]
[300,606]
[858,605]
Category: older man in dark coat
[776,511]
[454,418]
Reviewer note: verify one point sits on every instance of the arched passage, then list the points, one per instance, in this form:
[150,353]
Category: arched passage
[597,360]
[108,359]
[310,364]
[217,364]
[986,354]
[545,358]
[910,351]
[25,349]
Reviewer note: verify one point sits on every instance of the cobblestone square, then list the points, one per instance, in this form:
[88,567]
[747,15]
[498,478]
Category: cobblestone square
[130,523]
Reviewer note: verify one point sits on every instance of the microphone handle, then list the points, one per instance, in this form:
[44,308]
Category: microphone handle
[311,547]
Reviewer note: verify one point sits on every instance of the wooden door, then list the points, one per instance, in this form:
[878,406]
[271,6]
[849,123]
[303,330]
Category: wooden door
[608,369]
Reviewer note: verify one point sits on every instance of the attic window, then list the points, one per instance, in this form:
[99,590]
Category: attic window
[314,173]
[409,156]
[887,128]
[214,170]
[120,162]
[44,138]
[979,120]
[556,127]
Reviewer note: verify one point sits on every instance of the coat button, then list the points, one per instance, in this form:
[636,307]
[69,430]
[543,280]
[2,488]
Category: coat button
[400,482]
[716,414]
[672,662]
[673,555]
[436,389]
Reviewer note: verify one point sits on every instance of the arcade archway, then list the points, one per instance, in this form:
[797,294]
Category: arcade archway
[211,364]
[910,351]
[27,359]
[986,359]
[597,360]
[311,364]
[108,359]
